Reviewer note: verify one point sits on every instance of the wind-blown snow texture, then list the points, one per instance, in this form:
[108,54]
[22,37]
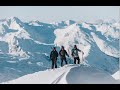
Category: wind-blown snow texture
[25,46]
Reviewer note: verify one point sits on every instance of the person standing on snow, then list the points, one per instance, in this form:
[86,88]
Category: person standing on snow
[75,55]
[53,57]
[63,54]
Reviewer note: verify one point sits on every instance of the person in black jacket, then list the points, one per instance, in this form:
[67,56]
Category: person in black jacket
[63,54]
[53,57]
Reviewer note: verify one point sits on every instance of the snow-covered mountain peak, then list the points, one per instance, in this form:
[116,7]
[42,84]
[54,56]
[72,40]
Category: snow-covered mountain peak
[13,19]
[63,23]
[13,23]
[103,21]
[38,23]
[70,22]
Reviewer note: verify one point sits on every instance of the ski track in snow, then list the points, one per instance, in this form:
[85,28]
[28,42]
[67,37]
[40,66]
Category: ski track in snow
[58,79]
[68,74]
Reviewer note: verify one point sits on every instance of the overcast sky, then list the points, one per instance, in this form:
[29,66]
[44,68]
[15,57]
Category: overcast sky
[59,13]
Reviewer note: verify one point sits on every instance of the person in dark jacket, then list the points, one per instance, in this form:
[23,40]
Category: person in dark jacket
[63,54]
[75,55]
[53,57]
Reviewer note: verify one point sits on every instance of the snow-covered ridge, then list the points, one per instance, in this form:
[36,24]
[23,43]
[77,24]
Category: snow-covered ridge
[100,48]
[12,23]
[63,23]
[105,21]
[70,74]
[25,46]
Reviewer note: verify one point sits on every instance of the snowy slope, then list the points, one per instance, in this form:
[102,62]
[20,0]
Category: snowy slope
[21,53]
[25,46]
[116,75]
[70,74]
[101,51]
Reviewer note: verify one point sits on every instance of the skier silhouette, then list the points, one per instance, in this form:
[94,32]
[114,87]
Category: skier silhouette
[53,57]
[75,55]
[63,54]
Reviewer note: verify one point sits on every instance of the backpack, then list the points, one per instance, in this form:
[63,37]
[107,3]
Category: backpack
[62,52]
